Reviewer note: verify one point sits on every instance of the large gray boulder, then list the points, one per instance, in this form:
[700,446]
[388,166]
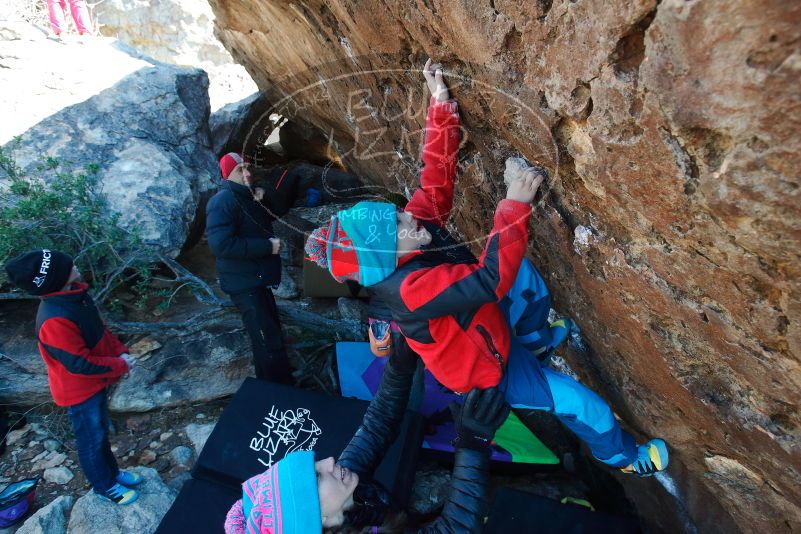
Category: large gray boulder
[211,358]
[239,126]
[51,519]
[197,361]
[93,514]
[144,124]
[192,365]
[23,376]
[202,366]
[179,32]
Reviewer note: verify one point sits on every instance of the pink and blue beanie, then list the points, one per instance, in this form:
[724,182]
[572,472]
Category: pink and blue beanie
[359,243]
[281,500]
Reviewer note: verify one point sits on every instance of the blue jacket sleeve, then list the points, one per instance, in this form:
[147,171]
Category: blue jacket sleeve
[221,233]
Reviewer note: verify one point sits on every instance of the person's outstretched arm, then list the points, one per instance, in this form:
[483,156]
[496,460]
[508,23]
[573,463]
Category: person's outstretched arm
[384,416]
[448,288]
[483,412]
[433,200]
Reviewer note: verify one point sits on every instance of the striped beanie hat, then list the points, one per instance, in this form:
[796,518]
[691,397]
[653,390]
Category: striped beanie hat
[359,243]
[281,500]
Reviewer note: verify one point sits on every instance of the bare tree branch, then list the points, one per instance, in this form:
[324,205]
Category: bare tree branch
[222,317]
[182,274]
[117,272]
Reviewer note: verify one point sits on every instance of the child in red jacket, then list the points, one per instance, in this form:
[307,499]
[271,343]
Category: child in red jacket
[474,322]
[83,358]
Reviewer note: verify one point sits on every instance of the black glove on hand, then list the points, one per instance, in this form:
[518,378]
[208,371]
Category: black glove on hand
[477,420]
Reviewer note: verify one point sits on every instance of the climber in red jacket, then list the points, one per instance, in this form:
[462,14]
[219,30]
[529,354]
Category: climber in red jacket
[83,358]
[474,322]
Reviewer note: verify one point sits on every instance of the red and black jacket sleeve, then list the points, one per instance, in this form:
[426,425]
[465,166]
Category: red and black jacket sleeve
[444,289]
[433,200]
[62,340]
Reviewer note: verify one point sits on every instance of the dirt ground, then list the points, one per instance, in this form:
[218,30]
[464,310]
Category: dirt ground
[146,439]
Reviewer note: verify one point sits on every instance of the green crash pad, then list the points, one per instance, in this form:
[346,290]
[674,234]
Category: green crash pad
[525,447]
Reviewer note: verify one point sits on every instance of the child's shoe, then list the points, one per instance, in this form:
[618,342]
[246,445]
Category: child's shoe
[128,478]
[651,457]
[120,494]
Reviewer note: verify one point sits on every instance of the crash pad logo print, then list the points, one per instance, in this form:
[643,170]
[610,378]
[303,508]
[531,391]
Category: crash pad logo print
[283,432]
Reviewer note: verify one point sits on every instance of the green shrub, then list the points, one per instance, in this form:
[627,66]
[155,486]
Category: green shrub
[66,210]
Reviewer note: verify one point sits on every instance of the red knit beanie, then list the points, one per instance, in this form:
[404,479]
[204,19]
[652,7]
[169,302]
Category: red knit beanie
[228,162]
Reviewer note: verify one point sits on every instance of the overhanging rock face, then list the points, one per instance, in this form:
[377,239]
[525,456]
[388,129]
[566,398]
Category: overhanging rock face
[141,123]
[671,230]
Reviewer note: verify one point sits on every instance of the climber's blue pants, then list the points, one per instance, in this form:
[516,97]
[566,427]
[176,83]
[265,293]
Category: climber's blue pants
[526,306]
[530,385]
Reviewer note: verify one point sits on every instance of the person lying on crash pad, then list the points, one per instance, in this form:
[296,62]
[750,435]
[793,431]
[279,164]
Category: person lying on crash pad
[299,495]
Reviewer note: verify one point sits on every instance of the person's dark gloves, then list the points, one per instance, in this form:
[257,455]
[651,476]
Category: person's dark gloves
[477,420]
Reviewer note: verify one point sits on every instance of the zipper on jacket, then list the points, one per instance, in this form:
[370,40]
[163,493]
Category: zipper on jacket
[490,344]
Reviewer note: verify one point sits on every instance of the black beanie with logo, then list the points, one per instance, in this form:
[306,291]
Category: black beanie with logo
[40,272]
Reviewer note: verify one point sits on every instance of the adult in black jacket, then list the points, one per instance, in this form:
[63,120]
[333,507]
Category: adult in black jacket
[240,234]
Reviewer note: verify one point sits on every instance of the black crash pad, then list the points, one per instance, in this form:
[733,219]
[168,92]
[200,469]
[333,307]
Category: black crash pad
[521,512]
[199,508]
[263,423]
[266,421]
